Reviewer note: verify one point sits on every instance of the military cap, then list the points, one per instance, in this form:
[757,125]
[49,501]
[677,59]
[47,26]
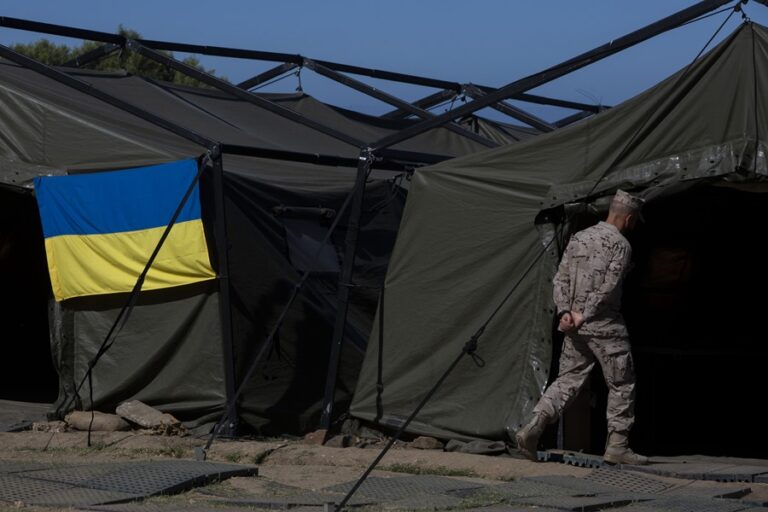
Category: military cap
[629,201]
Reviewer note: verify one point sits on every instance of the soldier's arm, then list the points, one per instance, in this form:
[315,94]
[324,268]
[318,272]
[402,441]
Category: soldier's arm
[562,283]
[617,267]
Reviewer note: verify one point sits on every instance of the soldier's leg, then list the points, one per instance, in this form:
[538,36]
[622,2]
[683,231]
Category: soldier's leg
[615,358]
[576,361]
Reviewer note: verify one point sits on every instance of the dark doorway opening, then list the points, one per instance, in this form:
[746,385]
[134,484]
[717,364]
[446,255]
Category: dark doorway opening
[696,307]
[26,367]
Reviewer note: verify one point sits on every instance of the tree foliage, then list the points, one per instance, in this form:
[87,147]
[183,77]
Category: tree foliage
[53,54]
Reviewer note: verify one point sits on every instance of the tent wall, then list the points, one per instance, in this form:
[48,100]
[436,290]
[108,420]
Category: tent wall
[168,355]
[267,258]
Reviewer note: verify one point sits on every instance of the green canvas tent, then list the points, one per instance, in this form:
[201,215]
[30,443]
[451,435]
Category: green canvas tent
[171,353]
[479,226]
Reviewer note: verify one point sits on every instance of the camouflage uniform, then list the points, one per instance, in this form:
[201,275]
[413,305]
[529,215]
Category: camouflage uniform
[589,281]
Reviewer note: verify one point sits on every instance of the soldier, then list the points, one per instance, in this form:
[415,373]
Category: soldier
[587,293]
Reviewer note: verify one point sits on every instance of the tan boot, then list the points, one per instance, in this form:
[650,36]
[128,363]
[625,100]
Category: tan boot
[527,438]
[618,451]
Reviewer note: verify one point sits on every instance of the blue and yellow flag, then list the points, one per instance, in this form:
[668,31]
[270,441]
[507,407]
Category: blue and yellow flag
[101,228]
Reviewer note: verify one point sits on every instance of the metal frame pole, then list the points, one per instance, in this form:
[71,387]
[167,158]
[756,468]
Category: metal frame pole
[554,72]
[543,100]
[423,103]
[267,75]
[225,304]
[345,283]
[388,98]
[91,56]
[235,91]
[90,90]
[513,112]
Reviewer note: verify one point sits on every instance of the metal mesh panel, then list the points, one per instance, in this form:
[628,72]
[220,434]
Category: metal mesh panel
[13,488]
[79,496]
[404,487]
[580,485]
[627,481]
[581,503]
[692,504]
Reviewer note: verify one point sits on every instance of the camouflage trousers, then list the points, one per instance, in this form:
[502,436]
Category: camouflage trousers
[576,361]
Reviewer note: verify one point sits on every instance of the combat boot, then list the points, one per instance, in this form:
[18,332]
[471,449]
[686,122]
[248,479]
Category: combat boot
[527,438]
[618,451]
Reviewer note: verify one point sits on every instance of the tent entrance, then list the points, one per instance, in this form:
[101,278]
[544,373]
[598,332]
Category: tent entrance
[26,368]
[696,307]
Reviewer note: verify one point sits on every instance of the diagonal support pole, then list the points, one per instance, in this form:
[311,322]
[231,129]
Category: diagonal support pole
[514,112]
[424,103]
[388,98]
[235,91]
[92,56]
[267,75]
[92,91]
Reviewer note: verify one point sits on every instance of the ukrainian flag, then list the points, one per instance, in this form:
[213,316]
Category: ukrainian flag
[101,228]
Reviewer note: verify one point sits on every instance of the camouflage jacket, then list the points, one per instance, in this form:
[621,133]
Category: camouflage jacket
[590,276]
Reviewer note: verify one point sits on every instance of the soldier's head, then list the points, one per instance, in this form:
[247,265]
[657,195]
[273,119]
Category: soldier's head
[624,211]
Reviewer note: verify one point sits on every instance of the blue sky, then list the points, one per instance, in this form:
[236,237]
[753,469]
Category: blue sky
[489,42]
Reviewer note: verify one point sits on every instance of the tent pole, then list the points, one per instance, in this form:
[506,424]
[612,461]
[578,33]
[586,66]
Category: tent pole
[345,283]
[91,56]
[513,112]
[267,75]
[542,100]
[225,305]
[424,103]
[638,36]
[137,47]
[388,98]
[90,90]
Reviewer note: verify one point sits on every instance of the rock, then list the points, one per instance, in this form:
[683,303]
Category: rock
[369,433]
[350,427]
[103,422]
[426,443]
[49,426]
[316,437]
[146,416]
[341,441]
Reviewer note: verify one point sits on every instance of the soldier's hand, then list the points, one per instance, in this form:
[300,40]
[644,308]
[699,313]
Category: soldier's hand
[566,323]
[578,319]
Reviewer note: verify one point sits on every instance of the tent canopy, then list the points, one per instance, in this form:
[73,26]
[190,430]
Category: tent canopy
[478,226]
